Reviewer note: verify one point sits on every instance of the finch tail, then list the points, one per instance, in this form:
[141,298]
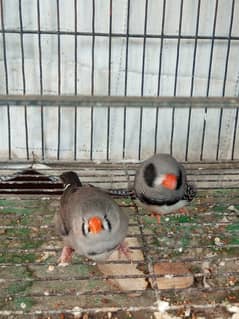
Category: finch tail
[70,178]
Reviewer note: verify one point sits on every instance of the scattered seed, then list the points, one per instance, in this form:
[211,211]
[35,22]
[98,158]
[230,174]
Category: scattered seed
[218,242]
[51,268]
[23,305]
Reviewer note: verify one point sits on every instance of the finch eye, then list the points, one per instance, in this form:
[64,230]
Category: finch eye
[106,223]
[85,228]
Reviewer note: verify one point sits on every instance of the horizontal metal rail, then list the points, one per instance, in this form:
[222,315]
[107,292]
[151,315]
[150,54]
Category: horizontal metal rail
[119,101]
[120,35]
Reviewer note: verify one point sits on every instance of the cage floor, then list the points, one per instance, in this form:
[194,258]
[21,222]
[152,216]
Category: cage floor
[205,240]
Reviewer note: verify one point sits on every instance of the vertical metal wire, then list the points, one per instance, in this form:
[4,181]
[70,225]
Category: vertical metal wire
[109,81]
[4,47]
[40,72]
[156,130]
[93,48]
[159,75]
[193,74]
[9,133]
[91,133]
[142,78]
[234,135]
[127,50]
[92,77]
[178,48]
[195,47]
[110,43]
[22,47]
[59,78]
[126,75]
[176,75]
[6,80]
[144,46]
[161,48]
[140,131]
[209,77]
[225,77]
[75,115]
[228,48]
[23,76]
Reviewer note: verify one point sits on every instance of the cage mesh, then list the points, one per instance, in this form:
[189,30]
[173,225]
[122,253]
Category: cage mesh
[96,87]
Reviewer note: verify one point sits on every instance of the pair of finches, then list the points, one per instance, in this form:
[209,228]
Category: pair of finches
[92,224]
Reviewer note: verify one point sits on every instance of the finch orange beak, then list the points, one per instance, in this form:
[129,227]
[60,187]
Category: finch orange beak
[95,224]
[170,181]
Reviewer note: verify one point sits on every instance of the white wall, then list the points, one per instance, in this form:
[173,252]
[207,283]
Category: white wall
[50,78]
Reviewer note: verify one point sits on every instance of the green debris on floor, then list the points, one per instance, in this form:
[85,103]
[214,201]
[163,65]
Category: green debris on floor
[206,239]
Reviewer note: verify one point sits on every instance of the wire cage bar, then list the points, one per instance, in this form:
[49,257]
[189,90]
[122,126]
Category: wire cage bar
[143,58]
[223,34]
[149,138]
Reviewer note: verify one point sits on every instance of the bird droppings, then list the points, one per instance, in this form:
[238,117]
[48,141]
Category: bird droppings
[233,208]
[23,305]
[51,268]
[77,311]
[205,240]
[218,241]
[45,255]
[63,264]
[162,305]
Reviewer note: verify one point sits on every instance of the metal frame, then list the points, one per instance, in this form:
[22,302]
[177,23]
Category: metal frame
[93,102]
[125,102]
[145,35]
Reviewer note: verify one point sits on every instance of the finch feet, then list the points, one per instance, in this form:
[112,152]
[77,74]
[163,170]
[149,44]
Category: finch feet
[183,210]
[123,249]
[157,216]
[66,256]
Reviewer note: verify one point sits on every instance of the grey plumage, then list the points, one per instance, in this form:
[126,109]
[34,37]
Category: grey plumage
[78,205]
[152,194]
